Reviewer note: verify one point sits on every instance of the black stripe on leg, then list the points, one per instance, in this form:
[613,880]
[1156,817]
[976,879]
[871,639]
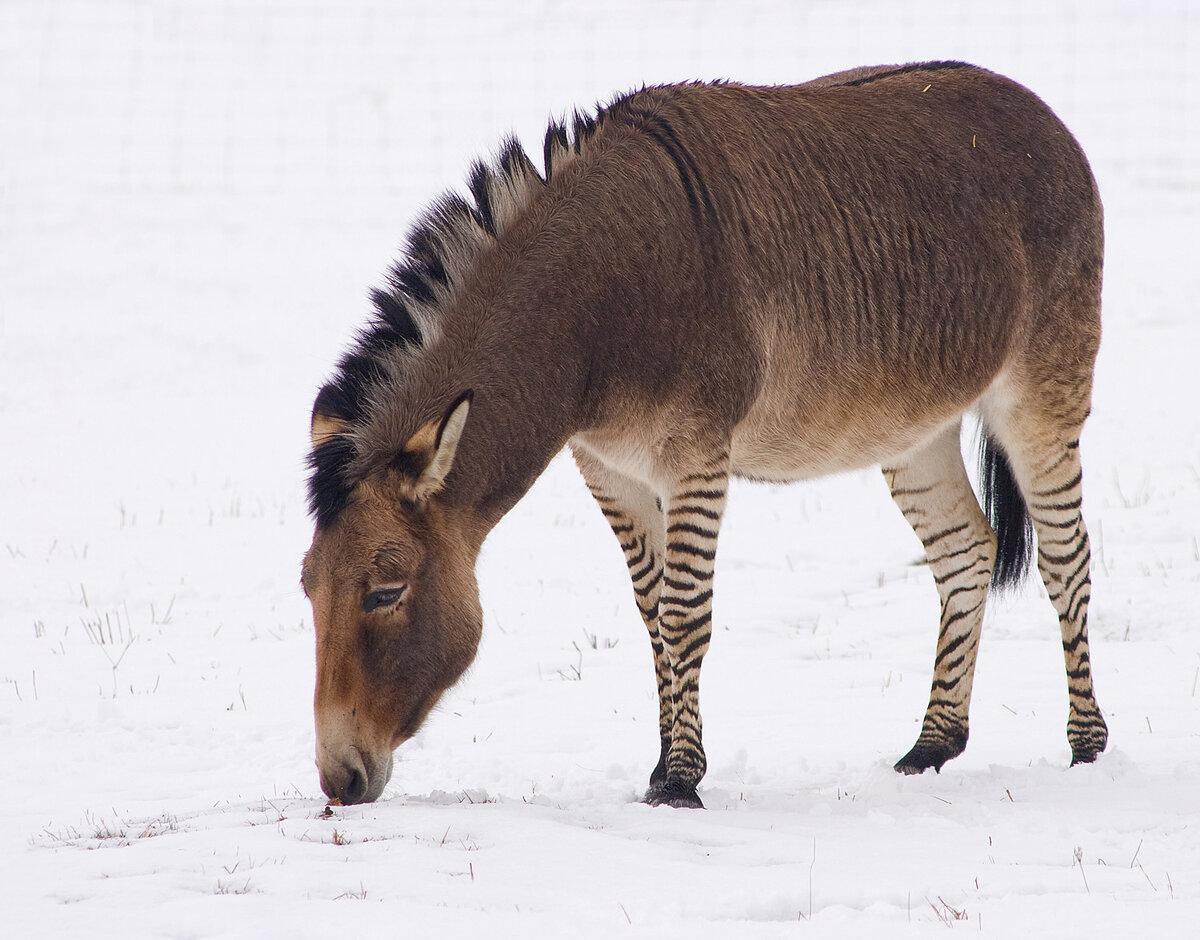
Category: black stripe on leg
[1059,490]
[691,529]
[692,602]
[694,510]
[944,534]
[637,576]
[698,573]
[950,647]
[950,575]
[650,585]
[697,551]
[1063,560]
[713,495]
[685,657]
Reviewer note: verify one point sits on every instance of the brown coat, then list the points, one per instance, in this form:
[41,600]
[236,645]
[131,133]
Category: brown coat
[715,280]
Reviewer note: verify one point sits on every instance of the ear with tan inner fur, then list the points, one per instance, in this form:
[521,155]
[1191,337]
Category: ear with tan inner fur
[324,427]
[437,441]
[326,423]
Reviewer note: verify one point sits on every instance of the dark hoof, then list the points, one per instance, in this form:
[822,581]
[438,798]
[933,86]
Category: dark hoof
[1086,752]
[1087,741]
[681,796]
[928,754]
[658,776]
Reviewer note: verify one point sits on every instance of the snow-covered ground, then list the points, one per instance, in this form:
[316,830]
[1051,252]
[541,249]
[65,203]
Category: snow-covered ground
[194,199]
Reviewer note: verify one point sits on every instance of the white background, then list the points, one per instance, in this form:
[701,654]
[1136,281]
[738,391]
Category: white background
[194,200]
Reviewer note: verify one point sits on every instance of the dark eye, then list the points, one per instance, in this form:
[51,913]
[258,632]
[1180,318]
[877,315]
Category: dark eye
[384,597]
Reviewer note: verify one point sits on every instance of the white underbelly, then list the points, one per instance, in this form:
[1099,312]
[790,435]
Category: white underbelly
[800,450]
[777,445]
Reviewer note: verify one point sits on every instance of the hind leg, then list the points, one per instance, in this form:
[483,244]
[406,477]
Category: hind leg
[931,488]
[1044,453]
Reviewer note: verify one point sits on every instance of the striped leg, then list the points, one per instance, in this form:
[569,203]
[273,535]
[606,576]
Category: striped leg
[1052,482]
[693,517]
[931,488]
[638,522]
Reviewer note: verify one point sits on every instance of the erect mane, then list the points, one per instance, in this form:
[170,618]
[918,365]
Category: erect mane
[441,251]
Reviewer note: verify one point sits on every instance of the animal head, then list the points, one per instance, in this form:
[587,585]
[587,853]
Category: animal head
[390,576]
[391,570]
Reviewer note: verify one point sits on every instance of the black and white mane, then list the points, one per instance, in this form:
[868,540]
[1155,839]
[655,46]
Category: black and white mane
[438,256]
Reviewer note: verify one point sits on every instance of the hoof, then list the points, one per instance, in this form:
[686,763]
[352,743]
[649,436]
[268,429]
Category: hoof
[1088,741]
[926,754]
[1086,752]
[681,796]
[909,765]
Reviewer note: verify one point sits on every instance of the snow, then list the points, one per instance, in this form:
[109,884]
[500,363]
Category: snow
[194,199]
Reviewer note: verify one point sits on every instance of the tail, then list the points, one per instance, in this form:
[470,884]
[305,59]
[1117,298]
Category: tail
[1005,508]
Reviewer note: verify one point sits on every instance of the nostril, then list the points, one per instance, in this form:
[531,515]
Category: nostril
[356,786]
[346,779]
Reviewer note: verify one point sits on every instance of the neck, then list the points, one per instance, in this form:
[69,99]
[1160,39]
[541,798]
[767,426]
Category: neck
[520,353]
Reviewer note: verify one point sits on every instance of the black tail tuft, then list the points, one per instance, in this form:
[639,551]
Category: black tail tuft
[1006,511]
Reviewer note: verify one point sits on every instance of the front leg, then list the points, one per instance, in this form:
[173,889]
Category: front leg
[636,517]
[693,518]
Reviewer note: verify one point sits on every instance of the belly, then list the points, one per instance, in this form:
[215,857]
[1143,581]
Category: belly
[782,442]
[799,426]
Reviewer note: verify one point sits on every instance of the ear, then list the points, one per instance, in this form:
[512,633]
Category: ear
[324,427]
[435,445]
[325,422]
